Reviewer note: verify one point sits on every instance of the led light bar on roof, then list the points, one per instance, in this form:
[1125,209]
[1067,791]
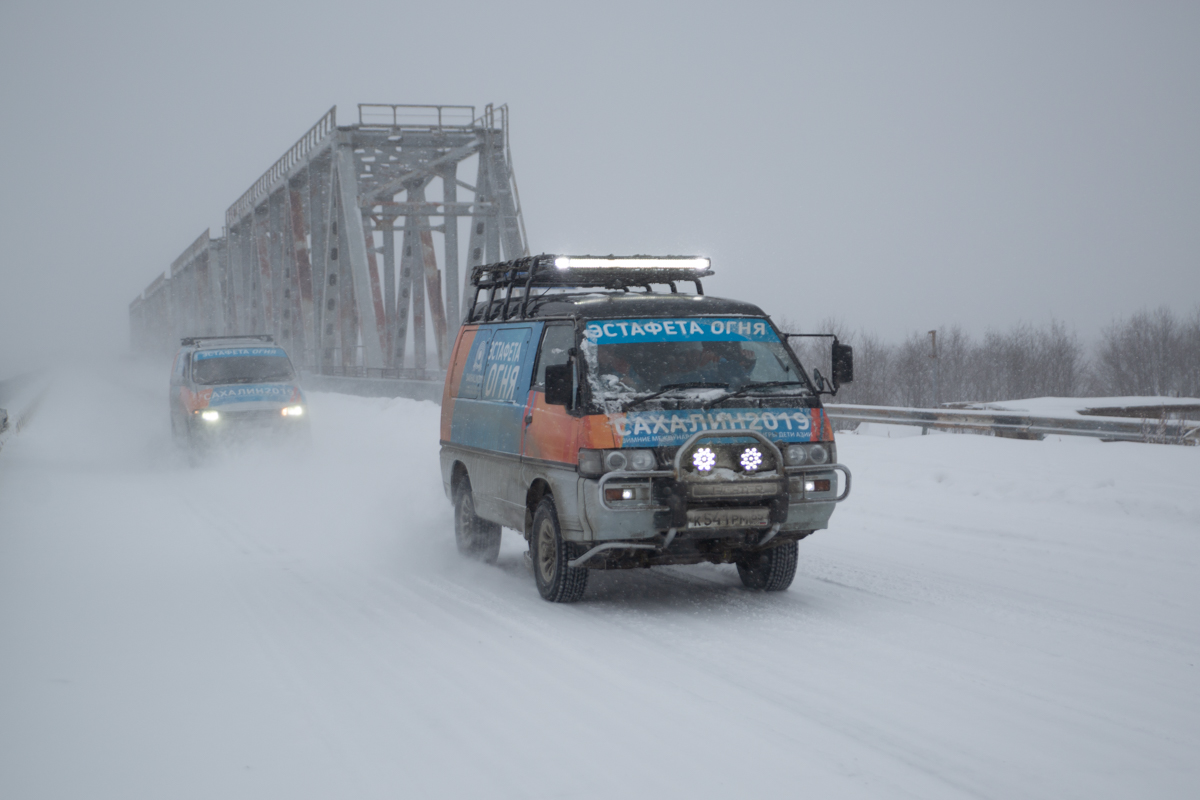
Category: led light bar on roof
[572,262]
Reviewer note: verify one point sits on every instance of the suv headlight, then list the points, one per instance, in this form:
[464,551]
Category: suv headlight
[293,411]
[594,463]
[208,415]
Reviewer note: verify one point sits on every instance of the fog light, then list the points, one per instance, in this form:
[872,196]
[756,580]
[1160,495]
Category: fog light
[210,415]
[751,459]
[704,459]
[619,494]
[810,486]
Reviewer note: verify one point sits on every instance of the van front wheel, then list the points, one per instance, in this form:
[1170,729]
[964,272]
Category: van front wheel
[557,581]
[771,570]
[476,538]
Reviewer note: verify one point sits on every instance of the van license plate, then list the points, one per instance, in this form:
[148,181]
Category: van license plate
[728,518]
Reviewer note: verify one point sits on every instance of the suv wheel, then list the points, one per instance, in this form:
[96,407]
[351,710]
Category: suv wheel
[770,570]
[556,581]
[476,538]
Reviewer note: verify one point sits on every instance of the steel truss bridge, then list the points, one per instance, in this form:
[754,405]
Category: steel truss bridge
[308,252]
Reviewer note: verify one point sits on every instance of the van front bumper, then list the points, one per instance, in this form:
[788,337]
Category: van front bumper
[663,503]
[247,425]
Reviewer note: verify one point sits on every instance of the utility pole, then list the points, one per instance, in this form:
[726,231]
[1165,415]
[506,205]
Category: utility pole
[937,395]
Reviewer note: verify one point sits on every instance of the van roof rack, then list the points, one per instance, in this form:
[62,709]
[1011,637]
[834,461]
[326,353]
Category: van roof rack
[508,284]
[187,341]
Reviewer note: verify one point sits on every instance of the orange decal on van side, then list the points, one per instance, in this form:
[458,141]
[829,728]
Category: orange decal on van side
[458,357]
[194,401]
[821,418]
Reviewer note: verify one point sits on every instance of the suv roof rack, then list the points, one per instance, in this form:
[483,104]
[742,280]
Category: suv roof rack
[187,341]
[508,284]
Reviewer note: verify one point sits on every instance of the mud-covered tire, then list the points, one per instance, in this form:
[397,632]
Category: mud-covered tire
[556,581]
[771,570]
[476,538]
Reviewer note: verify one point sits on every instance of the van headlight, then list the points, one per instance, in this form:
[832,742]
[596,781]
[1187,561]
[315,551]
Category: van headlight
[594,463]
[797,455]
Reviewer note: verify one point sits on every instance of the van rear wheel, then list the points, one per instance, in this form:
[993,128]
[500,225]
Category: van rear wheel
[770,570]
[556,580]
[476,538]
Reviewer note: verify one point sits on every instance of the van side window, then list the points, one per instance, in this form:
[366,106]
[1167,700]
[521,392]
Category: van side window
[503,373]
[556,343]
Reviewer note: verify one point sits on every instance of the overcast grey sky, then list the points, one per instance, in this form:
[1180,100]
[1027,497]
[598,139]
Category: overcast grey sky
[895,165]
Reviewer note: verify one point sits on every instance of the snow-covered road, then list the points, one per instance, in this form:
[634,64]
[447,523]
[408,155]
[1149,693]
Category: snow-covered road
[985,618]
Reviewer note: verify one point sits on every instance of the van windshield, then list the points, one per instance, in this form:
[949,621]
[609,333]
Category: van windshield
[241,365]
[636,356]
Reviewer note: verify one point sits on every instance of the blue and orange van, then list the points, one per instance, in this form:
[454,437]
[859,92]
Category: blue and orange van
[231,388]
[618,421]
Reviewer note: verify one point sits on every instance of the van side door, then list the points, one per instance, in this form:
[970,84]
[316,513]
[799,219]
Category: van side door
[551,433]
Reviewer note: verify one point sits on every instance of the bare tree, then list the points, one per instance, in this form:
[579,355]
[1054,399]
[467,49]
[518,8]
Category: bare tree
[955,354]
[873,381]
[1189,369]
[1151,353]
[912,373]
[1063,365]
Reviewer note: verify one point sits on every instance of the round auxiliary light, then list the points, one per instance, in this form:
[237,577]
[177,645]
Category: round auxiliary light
[704,459]
[614,460]
[817,454]
[796,454]
[751,459]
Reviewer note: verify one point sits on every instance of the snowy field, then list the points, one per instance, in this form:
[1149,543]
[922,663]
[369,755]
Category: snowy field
[985,618]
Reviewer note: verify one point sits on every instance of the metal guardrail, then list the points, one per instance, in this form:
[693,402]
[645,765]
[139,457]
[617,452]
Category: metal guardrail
[1023,426]
[412,388]
[406,115]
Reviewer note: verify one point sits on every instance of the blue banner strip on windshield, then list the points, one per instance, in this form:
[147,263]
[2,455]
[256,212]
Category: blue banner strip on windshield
[240,352]
[698,329]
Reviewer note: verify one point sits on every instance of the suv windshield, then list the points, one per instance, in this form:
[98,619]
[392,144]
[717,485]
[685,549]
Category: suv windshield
[241,365]
[638,356]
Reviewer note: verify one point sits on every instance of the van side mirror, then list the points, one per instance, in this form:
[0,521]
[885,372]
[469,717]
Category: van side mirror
[843,363]
[559,389]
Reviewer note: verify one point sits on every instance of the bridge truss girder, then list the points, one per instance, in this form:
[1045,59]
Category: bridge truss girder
[309,252]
